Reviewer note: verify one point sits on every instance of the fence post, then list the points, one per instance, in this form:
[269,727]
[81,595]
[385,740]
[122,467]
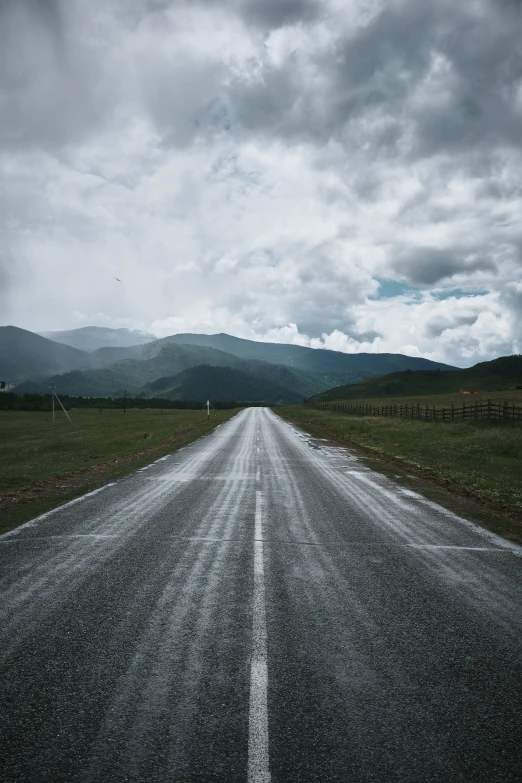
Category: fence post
[490,411]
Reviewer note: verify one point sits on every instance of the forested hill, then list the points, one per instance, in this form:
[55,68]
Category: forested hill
[220,383]
[502,373]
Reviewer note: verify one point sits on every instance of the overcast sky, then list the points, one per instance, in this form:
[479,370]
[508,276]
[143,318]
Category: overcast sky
[339,173]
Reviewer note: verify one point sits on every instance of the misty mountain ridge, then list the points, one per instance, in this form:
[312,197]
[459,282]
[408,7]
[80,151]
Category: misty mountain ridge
[24,354]
[167,361]
[298,357]
[91,338]
[34,362]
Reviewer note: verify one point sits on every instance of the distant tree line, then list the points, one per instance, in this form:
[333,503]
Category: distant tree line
[43,402]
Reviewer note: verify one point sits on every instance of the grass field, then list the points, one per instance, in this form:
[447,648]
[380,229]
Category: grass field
[66,459]
[441,400]
[483,460]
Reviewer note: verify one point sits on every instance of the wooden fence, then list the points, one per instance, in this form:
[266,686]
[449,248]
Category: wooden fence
[476,411]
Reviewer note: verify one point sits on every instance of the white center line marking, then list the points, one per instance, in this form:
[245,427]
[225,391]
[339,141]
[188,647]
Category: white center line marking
[258,767]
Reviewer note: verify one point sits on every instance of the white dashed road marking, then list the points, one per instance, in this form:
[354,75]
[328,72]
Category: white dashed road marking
[258,766]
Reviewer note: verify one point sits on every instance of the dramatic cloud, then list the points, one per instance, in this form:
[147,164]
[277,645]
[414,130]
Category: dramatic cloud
[338,174]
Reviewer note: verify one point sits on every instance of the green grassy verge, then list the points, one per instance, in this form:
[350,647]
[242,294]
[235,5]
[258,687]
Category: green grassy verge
[47,464]
[438,400]
[481,463]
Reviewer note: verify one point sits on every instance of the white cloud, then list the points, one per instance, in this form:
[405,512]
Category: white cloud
[256,168]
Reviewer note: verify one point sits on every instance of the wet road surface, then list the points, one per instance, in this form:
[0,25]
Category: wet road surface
[259,606]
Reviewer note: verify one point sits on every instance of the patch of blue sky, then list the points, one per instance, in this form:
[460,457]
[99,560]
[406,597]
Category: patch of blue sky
[389,289]
[456,293]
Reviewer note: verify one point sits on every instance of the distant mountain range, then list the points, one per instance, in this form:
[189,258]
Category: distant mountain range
[24,355]
[502,373]
[327,367]
[279,373]
[90,338]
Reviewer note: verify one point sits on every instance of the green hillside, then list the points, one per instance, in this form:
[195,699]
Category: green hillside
[167,360]
[309,373]
[300,386]
[220,383]
[502,373]
[24,354]
[129,374]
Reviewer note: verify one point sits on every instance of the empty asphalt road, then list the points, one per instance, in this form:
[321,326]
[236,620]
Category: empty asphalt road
[258,607]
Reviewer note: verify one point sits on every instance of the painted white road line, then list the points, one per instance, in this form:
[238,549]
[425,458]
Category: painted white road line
[258,760]
[40,518]
[455,546]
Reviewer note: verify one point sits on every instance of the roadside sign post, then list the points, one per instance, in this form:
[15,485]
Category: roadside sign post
[208,409]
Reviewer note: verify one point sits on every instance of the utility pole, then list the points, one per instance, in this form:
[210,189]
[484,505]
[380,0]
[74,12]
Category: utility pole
[53,395]
[125,400]
[208,409]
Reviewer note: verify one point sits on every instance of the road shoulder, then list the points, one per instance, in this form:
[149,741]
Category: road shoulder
[493,516]
[39,497]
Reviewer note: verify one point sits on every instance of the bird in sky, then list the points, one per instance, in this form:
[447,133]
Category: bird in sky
[118,279]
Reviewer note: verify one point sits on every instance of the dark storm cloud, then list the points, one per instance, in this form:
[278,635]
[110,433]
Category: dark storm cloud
[428,77]
[52,87]
[49,11]
[355,140]
[427,266]
[7,274]
[269,14]
[417,79]
[276,13]
[484,61]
